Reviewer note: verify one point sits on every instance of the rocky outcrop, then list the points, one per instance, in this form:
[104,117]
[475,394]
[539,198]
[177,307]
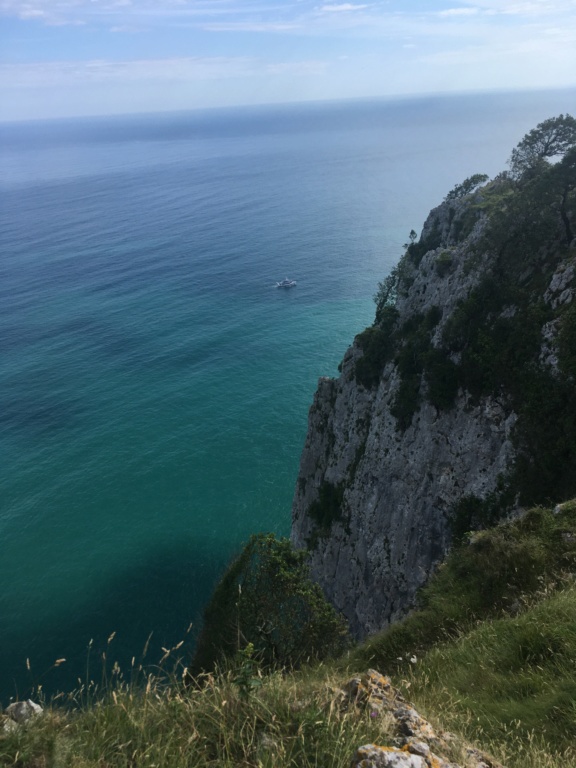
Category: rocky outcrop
[397,487]
[19,713]
[416,744]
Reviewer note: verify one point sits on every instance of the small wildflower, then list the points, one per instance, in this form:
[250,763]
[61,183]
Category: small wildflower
[373,714]
[413,659]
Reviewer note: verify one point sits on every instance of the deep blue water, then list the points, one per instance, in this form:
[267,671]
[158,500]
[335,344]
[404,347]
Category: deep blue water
[154,385]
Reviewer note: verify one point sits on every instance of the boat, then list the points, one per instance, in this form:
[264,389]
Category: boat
[286,283]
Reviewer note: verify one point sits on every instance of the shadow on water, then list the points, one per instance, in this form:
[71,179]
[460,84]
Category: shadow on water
[162,595]
[39,415]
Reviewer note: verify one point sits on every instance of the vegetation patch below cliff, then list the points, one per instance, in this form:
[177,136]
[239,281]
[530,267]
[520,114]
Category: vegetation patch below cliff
[472,513]
[266,599]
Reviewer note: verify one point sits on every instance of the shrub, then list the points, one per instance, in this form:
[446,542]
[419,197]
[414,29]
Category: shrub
[377,345]
[406,401]
[414,337]
[327,509]
[416,251]
[442,378]
[443,263]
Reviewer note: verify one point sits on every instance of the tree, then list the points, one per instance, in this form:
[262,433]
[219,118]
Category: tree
[550,139]
[387,291]
[542,210]
[565,176]
[467,186]
[412,237]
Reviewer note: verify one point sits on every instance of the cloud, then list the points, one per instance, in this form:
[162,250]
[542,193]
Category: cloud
[188,69]
[338,8]
[526,8]
[459,12]
[101,70]
[281,16]
[302,68]
[245,15]
[69,11]
[31,13]
[249,26]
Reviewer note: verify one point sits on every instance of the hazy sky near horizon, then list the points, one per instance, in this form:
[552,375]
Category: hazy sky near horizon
[95,57]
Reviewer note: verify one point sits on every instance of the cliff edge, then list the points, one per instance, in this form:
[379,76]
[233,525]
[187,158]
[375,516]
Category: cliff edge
[457,405]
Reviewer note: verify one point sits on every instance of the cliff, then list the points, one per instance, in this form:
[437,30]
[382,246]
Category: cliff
[457,404]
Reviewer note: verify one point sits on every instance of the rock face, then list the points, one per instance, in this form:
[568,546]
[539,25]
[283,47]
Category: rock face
[374,497]
[398,487]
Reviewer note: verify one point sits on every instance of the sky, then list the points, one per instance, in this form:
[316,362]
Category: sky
[95,57]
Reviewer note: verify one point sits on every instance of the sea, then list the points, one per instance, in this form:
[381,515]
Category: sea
[154,381]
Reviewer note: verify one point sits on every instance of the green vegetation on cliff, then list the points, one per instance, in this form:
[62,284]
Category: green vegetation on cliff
[267,600]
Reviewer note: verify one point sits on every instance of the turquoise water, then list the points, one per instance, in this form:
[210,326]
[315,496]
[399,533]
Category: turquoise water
[154,383]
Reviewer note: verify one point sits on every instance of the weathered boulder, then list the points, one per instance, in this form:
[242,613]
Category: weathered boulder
[19,713]
[22,711]
[373,756]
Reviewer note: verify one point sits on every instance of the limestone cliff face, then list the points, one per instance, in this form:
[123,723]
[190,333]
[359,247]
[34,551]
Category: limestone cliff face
[373,501]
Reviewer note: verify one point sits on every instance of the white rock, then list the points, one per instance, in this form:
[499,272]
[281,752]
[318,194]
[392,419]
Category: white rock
[22,711]
[372,756]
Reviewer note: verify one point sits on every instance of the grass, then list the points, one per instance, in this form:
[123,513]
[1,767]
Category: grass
[489,656]
[292,720]
[509,681]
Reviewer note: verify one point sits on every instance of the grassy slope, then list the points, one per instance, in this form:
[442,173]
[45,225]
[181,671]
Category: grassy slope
[509,683]
[495,642]
[493,574]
